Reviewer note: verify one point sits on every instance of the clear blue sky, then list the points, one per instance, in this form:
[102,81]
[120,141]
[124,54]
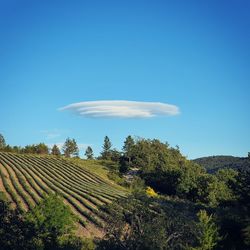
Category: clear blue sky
[192,54]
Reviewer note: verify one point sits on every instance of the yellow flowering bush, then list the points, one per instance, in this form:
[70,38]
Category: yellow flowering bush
[150,192]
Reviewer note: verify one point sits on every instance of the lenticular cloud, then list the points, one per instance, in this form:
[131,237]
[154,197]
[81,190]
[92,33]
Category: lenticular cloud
[122,109]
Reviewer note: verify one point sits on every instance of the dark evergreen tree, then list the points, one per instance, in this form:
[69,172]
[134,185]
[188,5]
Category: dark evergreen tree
[106,152]
[128,148]
[89,153]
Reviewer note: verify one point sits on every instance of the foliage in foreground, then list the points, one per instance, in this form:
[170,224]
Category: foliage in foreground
[51,219]
[209,233]
[143,223]
[50,225]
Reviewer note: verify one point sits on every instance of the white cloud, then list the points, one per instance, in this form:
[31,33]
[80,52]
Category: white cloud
[81,146]
[53,133]
[122,109]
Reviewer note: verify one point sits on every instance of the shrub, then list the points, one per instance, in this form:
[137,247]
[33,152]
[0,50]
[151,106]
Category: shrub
[150,192]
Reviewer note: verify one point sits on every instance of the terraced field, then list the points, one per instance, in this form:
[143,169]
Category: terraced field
[26,179]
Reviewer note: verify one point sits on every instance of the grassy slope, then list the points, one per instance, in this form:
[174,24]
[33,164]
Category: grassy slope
[97,167]
[83,183]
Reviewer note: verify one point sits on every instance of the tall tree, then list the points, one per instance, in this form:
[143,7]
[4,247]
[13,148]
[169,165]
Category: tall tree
[106,153]
[70,148]
[128,147]
[89,153]
[55,150]
[2,141]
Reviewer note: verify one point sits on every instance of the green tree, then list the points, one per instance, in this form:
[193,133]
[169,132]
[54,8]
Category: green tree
[227,175]
[28,149]
[128,148]
[242,191]
[115,155]
[70,148]
[89,153]
[208,232]
[165,169]
[153,155]
[241,188]
[211,191]
[55,150]
[52,219]
[106,149]
[41,148]
[2,142]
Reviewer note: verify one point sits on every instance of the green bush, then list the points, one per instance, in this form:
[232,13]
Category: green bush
[51,219]
[208,232]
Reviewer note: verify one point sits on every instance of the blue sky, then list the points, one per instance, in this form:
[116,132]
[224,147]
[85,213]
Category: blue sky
[191,54]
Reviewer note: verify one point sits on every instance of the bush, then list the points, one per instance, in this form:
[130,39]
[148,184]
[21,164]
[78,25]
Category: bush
[150,192]
[51,219]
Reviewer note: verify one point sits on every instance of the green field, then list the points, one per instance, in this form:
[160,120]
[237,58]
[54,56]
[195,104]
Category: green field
[26,179]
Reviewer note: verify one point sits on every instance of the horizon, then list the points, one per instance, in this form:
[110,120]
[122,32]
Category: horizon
[177,72]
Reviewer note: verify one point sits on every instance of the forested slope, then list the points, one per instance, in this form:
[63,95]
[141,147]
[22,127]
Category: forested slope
[214,163]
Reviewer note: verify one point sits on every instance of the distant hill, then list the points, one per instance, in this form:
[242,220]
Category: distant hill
[214,163]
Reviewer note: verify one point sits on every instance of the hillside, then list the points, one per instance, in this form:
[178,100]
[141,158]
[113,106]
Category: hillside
[213,163]
[26,179]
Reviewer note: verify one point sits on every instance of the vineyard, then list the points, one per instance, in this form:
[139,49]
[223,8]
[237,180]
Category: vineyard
[26,179]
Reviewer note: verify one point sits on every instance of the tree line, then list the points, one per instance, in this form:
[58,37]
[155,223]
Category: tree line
[69,149]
